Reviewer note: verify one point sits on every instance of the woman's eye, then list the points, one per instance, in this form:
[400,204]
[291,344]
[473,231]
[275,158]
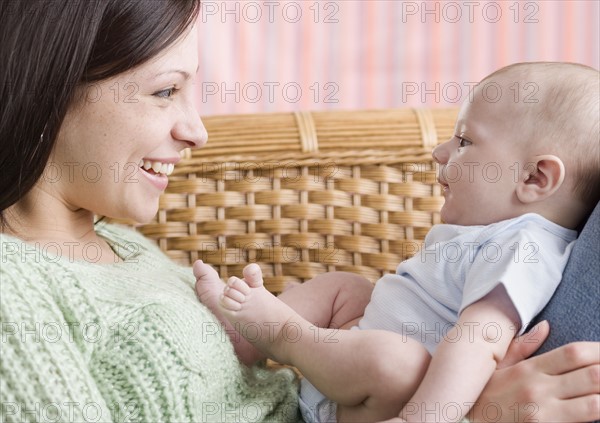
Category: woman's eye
[463,142]
[168,93]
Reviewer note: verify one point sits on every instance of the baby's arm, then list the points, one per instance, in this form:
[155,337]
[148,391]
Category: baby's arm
[465,360]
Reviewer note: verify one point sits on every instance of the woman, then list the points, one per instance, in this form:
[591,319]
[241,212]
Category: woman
[97,324]
[100,87]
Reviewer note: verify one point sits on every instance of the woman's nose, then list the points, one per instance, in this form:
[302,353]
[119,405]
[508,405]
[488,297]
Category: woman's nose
[201,136]
[190,128]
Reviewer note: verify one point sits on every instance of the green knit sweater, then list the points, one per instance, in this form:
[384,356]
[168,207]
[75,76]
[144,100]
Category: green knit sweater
[119,342]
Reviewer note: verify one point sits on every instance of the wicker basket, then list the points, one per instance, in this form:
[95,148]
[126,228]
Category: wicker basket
[305,193]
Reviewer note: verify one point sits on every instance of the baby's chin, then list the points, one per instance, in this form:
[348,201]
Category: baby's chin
[448,217]
[457,218]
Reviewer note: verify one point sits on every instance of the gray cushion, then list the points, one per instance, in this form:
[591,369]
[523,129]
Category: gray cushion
[574,311]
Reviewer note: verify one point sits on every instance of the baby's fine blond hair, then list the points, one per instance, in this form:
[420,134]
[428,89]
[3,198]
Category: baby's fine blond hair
[557,111]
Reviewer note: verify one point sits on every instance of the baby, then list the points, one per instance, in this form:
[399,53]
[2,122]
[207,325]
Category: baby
[519,175]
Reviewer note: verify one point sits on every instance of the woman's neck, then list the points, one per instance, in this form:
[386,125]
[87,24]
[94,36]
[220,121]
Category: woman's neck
[42,218]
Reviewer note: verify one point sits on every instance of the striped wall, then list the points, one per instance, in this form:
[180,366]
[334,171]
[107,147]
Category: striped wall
[260,56]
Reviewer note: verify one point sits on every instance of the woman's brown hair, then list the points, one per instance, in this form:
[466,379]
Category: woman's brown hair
[49,49]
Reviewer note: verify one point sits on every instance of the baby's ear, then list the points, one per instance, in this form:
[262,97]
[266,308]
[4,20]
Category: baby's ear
[544,175]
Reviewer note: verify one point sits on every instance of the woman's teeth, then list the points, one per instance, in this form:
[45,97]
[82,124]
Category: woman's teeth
[157,167]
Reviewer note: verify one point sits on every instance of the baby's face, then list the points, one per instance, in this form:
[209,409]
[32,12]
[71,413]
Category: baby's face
[482,163]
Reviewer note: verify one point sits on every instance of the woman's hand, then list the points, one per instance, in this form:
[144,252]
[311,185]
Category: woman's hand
[562,385]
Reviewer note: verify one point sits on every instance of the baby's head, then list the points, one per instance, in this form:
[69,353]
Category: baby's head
[527,140]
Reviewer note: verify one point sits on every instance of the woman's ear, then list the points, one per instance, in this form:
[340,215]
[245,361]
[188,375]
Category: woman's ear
[544,175]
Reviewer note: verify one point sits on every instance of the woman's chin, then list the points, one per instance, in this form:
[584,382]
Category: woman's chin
[140,216]
[144,218]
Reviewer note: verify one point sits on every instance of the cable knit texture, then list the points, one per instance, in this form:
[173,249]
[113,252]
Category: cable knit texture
[121,342]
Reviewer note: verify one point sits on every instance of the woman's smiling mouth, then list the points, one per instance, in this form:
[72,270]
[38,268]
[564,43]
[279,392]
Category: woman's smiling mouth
[157,167]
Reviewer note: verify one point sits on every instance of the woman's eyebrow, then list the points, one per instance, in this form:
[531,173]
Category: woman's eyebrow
[185,74]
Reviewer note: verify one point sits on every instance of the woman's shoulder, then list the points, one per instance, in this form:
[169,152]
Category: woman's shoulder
[27,275]
[17,257]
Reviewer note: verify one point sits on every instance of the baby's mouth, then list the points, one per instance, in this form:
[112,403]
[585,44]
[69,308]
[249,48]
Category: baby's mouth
[155,167]
[444,185]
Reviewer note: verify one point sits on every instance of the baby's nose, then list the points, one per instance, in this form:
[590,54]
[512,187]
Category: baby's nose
[440,154]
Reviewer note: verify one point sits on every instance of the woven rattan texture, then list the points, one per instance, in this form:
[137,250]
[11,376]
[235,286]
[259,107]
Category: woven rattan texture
[307,193]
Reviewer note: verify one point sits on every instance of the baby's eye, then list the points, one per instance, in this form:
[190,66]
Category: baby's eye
[168,93]
[463,142]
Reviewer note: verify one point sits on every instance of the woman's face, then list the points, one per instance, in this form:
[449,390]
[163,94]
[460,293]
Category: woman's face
[144,116]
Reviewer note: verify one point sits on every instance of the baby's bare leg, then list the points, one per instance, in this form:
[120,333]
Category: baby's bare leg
[368,371]
[335,300]
[330,300]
